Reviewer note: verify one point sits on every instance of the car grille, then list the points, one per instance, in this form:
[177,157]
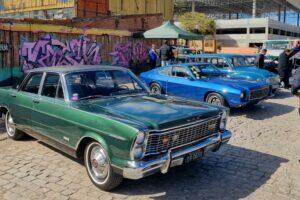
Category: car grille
[159,142]
[259,94]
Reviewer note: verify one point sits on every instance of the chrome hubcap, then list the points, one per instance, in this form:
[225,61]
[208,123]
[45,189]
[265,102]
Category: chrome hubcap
[10,126]
[98,164]
[155,90]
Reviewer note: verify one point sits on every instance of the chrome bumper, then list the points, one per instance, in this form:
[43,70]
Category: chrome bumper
[140,169]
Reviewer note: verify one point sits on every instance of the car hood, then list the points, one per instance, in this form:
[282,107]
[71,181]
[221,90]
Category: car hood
[254,70]
[150,111]
[237,83]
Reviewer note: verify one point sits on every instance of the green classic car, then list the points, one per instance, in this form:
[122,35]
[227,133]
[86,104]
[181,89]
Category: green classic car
[106,116]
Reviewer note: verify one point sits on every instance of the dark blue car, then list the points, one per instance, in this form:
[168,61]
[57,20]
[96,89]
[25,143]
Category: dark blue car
[204,82]
[236,65]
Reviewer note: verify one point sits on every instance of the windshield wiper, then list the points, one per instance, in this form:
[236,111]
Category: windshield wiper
[90,97]
[124,92]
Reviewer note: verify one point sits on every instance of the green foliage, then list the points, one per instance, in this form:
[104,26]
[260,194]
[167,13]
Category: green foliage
[194,20]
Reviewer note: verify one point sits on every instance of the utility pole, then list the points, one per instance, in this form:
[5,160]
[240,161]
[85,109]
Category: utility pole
[193,5]
[254,9]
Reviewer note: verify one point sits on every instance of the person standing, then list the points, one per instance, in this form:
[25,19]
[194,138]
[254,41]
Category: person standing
[296,85]
[261,58]
[152,57]
[285,68]
[164,53]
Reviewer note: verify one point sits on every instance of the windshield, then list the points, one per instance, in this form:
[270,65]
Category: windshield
[101,83]
[239,61]
[201,70]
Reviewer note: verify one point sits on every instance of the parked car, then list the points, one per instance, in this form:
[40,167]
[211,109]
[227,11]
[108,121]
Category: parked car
[205,82]
[271,64]
[233,64]
[106,116]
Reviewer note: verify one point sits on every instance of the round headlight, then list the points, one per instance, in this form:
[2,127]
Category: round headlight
[140,138]
[243,95]
[268,80]
[138,152]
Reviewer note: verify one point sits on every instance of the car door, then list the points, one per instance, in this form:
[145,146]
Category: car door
[181,83]
[21,103]
[48,116]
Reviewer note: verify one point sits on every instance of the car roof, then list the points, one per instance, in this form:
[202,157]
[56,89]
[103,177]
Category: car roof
[208,55]
[189,64]
[76,68]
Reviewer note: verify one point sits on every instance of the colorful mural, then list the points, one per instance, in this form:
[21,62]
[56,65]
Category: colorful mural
[48,51]
[129,54]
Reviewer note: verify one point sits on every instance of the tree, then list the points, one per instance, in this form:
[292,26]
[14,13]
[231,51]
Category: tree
[198,22]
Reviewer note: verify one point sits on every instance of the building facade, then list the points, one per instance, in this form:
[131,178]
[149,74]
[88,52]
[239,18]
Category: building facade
[67,9]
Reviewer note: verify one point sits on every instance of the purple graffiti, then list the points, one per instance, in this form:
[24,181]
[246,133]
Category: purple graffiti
[51,52]
[127,54]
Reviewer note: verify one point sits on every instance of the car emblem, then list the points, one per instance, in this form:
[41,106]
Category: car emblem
[211,127]
[175,138]
[165,140]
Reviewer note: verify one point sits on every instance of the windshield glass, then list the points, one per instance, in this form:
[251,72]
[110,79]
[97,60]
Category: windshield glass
[101,83]
[239,61]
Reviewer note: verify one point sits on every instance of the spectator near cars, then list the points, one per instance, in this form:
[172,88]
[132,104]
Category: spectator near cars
[164,53]
[261,58]
[152,57]
[296,85]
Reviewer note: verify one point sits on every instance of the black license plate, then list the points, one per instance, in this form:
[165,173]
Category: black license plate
[193,156]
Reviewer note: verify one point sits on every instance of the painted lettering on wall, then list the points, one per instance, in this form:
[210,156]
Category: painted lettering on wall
[130,54]
[48,51]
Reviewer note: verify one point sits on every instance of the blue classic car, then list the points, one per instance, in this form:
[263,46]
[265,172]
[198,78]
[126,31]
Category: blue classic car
[203,82]
[238,66]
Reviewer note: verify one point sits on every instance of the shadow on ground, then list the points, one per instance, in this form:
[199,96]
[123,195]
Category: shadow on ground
[263,111]
[232,173]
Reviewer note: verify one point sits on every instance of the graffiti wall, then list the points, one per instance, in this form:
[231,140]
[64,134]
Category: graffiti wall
[129,54]
[48,51]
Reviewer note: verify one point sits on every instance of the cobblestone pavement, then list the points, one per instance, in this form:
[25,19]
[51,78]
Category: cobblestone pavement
[262,161]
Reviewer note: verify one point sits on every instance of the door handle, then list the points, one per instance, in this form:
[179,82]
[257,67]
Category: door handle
[13,95]
[36,101]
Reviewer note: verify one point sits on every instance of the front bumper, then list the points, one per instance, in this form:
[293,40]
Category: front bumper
[140,169]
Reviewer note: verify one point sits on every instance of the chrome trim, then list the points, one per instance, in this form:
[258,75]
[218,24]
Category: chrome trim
[187,124]
[140,169]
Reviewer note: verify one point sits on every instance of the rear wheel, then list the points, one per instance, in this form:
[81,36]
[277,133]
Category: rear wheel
[11,129]
[215,99]
[156,89]
[99,168]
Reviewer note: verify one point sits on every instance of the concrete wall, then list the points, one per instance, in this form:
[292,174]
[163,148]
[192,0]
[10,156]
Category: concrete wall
[243,40]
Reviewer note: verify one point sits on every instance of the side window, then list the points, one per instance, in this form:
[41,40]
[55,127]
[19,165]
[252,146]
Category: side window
[222,63]
[52,86]
[180,72]
[60,92]
[33,84]
[214,61]
[165,71]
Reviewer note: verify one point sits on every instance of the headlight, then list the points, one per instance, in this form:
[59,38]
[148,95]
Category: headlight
[138,148]
[243,95]
[224,118]
[140,138]
[138,153]
[268,80]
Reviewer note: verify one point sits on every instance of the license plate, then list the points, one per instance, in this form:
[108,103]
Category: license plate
[177,162]
[193,156]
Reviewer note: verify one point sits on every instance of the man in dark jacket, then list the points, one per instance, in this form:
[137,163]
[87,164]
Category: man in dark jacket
[285,68]
[261,58]
[164,53]
[296,84]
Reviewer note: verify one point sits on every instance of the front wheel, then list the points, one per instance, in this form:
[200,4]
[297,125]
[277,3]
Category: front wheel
[11,129]
[99,168]
[155,88]
[215,99]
